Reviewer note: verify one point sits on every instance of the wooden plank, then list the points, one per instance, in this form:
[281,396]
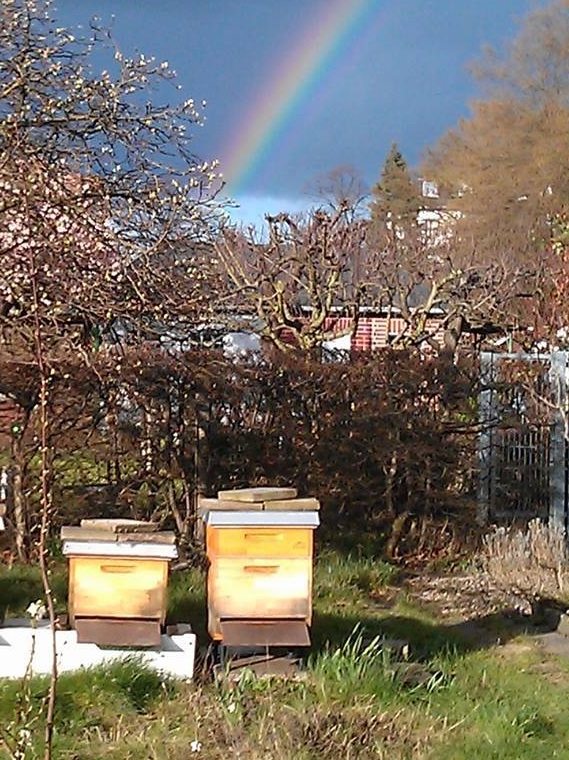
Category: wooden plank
[78,533]
[293,505]
[259,542]
[120,525]
[261,665]
[264,493]
[161,537]
[227,505]
[117,587]
[114,632]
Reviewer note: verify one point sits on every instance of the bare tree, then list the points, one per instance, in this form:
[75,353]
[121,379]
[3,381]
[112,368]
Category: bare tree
[340,189]
[416,269]
[299,282]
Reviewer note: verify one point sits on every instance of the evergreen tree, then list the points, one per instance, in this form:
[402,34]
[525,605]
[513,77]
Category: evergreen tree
[396,198]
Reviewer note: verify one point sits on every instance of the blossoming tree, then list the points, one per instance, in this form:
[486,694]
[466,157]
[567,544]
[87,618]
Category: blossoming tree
[103,205]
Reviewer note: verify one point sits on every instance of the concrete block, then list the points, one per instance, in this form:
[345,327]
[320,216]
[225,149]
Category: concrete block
[21,644]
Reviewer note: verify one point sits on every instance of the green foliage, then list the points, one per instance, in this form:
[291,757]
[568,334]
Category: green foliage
[349,579]
[355,668]
[136,686]
[503,707]
[396,196]
[89,700]
[78,467]
[186,600]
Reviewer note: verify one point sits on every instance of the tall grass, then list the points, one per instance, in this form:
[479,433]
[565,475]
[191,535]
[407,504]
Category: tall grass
[530,563]
[356,667]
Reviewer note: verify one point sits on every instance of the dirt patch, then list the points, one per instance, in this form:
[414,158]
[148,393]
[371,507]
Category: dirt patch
[472,606]
[551,671]
[461,597]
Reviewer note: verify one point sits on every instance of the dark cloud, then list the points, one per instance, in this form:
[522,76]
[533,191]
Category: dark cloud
[406,82]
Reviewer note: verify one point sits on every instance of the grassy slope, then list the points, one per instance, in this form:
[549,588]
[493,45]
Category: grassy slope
[507,702]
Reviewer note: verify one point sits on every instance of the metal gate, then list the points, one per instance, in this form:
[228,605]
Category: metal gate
[522,447]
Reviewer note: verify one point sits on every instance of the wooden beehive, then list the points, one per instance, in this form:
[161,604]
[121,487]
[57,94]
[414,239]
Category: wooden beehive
[259,545]
[118,578]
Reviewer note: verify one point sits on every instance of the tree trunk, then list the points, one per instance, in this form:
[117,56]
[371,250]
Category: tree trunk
[19,501]
[396,534]
[201,468]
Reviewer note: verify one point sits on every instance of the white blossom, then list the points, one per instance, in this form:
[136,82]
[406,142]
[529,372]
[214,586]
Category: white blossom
[36,610]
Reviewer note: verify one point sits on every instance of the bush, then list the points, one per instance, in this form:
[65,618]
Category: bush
[532,563]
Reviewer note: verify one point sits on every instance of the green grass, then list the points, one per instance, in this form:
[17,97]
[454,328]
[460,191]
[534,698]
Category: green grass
[21,584]
[505,704]
[452,700]
[349,580]
[186,600]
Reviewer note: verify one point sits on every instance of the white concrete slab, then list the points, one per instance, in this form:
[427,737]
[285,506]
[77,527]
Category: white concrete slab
[21,644]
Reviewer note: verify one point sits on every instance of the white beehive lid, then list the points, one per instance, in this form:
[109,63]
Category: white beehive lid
[246,519]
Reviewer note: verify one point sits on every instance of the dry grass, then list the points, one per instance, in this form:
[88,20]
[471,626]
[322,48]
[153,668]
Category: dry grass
[254,720]
[532,564]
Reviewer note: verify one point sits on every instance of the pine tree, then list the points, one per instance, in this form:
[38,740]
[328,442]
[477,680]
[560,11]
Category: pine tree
[396,197]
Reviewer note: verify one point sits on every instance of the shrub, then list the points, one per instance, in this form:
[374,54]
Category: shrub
[531,563]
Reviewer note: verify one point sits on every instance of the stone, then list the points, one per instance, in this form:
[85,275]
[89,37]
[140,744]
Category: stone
[263,494]
[412,674]
[563,625]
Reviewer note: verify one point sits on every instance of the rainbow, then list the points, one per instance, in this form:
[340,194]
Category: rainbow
[328,38]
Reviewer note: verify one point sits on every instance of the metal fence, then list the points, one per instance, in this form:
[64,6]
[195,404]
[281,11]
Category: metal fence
[523,452]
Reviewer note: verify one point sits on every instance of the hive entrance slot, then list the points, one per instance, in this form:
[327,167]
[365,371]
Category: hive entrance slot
[264,633]
[118,632]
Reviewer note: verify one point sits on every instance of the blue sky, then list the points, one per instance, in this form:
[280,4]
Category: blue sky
[406,79]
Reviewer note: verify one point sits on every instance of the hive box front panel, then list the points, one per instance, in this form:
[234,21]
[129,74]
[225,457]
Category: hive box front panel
[125,587]
[259,542]
[259,588]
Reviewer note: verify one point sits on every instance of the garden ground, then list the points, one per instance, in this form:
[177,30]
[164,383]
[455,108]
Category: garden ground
[477,683]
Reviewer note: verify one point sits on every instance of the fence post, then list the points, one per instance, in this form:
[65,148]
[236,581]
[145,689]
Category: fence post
[558,441]
[485,469]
